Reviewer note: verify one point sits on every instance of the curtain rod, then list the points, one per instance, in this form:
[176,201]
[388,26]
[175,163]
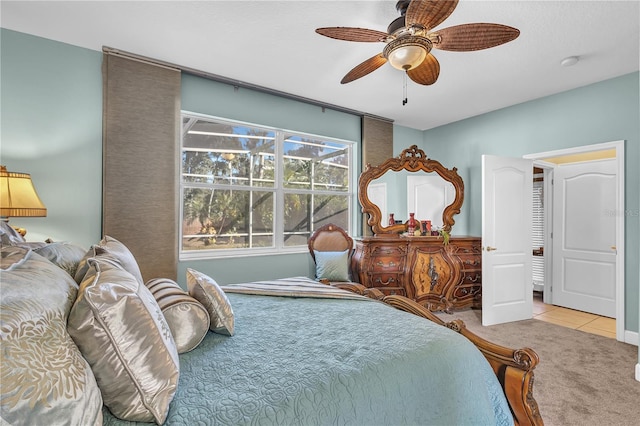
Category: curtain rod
[236,83]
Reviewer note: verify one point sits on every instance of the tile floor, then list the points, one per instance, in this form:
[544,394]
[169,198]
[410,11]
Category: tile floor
[578,320]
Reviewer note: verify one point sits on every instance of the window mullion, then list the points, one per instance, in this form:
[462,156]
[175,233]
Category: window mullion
[279,186]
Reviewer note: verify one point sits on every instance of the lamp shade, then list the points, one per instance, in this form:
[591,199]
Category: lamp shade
[407,52]
[407,57]
[18,197]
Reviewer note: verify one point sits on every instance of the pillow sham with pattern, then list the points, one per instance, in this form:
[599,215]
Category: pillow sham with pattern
[207,291]
[45,379]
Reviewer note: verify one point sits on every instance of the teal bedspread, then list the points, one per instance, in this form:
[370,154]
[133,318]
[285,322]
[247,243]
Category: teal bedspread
[313,361]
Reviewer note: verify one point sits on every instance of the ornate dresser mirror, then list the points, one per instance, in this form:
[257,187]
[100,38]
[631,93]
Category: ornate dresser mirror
[421,185]
[439,273]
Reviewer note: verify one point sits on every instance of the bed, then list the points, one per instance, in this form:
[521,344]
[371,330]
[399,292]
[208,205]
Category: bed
[298,352]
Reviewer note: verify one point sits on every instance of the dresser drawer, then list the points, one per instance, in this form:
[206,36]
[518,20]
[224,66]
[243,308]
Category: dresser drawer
[470,261]
[387,264]
[471,277]
[387,291]
[466,291]
[385,280]
[388,250]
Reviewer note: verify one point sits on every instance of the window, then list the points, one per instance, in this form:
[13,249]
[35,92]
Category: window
[248,189]
[538,232]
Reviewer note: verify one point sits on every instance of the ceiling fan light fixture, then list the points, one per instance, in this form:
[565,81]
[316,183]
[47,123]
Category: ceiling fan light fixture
[407,52]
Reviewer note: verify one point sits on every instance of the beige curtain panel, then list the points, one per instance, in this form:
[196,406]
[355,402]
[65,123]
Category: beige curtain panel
[141,120]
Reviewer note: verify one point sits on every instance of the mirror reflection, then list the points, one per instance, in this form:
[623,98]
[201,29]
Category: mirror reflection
[425,194]
[410,183]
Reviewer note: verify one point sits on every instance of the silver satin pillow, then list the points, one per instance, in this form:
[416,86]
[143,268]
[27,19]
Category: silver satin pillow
[8,235]
[122,332]
[109,246]
[187,318]
[65,255]
[44,378]
[204,289]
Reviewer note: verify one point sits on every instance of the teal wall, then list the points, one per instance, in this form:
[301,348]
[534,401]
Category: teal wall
[51,127]
[601,112]
[51,116]
[205,96]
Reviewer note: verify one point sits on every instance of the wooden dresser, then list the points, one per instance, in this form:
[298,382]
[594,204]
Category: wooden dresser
[442,278]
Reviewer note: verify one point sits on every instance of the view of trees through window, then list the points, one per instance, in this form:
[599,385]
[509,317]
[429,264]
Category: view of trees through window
[247,187]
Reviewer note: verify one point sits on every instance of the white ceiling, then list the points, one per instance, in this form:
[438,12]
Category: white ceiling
[273,44]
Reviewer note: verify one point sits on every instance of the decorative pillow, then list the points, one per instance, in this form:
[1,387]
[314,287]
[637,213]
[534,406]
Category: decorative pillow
[188,320]
[65,255]
[111,246]
[121,331]
[204,289]
[8,235]
[44,377]
[12,256]
[332,265]
[83,265]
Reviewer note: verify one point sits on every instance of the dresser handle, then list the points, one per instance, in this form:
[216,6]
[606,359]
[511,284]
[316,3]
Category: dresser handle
[379,281]
[474,279]
[392,264]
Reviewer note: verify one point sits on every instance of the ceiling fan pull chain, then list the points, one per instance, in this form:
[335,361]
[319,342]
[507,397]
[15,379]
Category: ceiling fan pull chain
[404,90]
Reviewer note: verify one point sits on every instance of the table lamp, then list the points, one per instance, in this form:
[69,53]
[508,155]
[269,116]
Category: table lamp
[18,197]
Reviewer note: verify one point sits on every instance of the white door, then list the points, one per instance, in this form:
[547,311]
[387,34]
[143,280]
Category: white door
[377,193]
[428,196]
[507,288]
[584,237]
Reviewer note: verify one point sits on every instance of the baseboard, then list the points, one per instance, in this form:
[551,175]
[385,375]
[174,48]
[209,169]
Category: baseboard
[638,372]
[631,337]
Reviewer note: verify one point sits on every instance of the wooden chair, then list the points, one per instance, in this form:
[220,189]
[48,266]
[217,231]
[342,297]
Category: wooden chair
[332,238]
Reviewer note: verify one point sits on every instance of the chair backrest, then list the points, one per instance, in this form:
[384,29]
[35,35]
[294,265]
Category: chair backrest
[330,237]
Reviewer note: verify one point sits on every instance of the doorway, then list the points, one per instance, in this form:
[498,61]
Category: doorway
[554,263]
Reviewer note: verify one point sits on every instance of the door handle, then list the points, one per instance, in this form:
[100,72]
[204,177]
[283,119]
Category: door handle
[489,248]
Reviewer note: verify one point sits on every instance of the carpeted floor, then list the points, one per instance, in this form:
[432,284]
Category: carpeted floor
[582,379]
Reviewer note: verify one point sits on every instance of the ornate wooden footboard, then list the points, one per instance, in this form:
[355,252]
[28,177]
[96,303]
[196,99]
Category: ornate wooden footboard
[514,368]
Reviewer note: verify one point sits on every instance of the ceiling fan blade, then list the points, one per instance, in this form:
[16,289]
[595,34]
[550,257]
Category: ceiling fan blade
[364,68]
[427,72]
[353,34]
[469,37]
[429,13]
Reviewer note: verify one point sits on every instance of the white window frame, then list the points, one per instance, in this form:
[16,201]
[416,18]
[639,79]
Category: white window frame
[278,189]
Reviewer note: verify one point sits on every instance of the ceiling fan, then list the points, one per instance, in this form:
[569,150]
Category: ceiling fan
[410,38]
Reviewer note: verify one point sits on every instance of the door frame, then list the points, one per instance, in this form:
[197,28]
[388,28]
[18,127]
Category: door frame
[541,159]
